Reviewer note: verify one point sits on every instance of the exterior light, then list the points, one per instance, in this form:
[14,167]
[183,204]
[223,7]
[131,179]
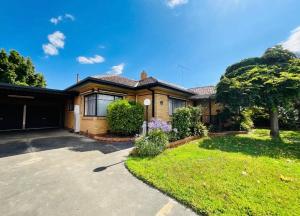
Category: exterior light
[147,102]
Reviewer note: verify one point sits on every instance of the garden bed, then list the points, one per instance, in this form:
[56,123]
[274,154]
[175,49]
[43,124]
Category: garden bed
[110,138]
[182,141]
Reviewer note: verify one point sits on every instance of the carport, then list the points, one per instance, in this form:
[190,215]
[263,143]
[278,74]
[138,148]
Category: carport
[23,108]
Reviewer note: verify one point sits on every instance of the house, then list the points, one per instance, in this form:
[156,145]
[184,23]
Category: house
[91,97]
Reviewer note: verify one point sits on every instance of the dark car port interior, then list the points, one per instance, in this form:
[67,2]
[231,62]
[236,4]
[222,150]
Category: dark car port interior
[24,108]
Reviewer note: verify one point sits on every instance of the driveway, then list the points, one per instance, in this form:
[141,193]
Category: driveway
[60,173]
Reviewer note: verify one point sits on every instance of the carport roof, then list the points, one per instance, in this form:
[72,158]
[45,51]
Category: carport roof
[30,89]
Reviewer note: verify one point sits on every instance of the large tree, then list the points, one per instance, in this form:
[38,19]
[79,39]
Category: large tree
[16,69]
[270,81]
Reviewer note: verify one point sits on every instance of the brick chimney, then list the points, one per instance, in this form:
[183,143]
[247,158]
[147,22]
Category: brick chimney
[144,75]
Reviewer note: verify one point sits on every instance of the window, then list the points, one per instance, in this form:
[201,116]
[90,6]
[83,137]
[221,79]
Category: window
[96,104]
[90,105]
[70,106]
[175,104]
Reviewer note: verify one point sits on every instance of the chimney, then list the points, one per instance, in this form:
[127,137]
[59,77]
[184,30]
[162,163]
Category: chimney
[144,75]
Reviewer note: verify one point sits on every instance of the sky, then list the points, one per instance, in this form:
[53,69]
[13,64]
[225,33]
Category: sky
[187,42]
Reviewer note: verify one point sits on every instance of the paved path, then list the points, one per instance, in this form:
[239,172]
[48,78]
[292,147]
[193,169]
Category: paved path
[58,173]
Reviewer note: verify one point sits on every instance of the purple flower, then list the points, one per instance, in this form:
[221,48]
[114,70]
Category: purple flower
[159,124]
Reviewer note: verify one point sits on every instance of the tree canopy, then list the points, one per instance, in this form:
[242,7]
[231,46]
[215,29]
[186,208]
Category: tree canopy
[270,81]
[16,69]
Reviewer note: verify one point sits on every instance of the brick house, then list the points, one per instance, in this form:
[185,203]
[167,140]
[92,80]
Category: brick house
[93,94]
[33,108]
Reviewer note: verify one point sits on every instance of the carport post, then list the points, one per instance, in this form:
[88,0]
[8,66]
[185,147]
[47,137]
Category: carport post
[24,117]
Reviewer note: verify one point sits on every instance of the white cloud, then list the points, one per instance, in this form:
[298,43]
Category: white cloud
[117,69]
[56,20]
[70,17]
[293,42]
[175,3]
[49,49]
[90,60]
[56,41]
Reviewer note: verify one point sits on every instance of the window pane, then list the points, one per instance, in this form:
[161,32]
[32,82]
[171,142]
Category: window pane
[170,106]
[90,105]
[105,97]
[175,104]
[103,101]
[102,107]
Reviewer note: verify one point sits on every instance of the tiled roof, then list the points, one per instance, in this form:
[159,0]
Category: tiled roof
[198,93]
[203,92]
[139,84]
[147,81]
[118,80]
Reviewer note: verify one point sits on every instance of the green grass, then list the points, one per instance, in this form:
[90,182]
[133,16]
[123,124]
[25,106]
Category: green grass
[234,175]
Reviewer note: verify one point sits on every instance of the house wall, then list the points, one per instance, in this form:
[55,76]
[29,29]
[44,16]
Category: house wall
[141,96]
[162,103]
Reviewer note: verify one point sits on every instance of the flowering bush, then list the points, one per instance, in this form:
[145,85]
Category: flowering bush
[151,145]
[159,124]
[173,135]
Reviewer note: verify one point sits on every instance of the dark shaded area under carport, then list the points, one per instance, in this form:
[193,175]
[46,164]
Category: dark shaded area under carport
[73,142]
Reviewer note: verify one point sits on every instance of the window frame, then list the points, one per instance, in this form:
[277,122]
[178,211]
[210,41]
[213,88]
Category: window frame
[70,106]
[178,99]
[96,104]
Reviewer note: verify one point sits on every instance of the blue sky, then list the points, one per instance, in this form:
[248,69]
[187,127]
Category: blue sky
[188,42]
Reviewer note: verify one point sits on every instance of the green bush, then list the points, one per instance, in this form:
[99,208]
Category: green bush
[173,135]
[200,130]
[246,120]
[195,119]
[181,121]
[124,117]
[151,145]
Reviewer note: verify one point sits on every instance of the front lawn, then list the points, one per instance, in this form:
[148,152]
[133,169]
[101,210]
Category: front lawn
[234,175]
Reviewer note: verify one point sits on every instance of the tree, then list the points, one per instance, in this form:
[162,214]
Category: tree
[271,81]
[16,69]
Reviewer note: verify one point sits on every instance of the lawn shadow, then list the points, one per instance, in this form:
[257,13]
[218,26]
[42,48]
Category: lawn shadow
[288,146]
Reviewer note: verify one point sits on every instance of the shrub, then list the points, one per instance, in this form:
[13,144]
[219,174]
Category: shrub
[200,130]
[173,135]
[181,120]
[151,145]
[195,119]
[246,120]
[288,117]
[159,124]
[124,117]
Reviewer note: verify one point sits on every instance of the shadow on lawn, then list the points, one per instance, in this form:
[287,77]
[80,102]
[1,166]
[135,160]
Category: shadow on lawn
[286,147]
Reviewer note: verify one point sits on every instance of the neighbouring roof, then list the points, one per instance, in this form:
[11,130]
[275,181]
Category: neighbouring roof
[203,92]
[129,83]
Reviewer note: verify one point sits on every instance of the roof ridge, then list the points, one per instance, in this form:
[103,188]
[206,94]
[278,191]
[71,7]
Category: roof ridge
[113,75]
[203,87]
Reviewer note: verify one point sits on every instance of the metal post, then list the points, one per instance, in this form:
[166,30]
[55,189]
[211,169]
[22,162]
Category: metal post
[147,118]
[24,117]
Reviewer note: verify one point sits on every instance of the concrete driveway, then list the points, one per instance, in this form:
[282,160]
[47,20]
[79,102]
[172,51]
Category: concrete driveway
[59,173]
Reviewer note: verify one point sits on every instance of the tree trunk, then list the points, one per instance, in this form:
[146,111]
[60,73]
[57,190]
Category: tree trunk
[274,123]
